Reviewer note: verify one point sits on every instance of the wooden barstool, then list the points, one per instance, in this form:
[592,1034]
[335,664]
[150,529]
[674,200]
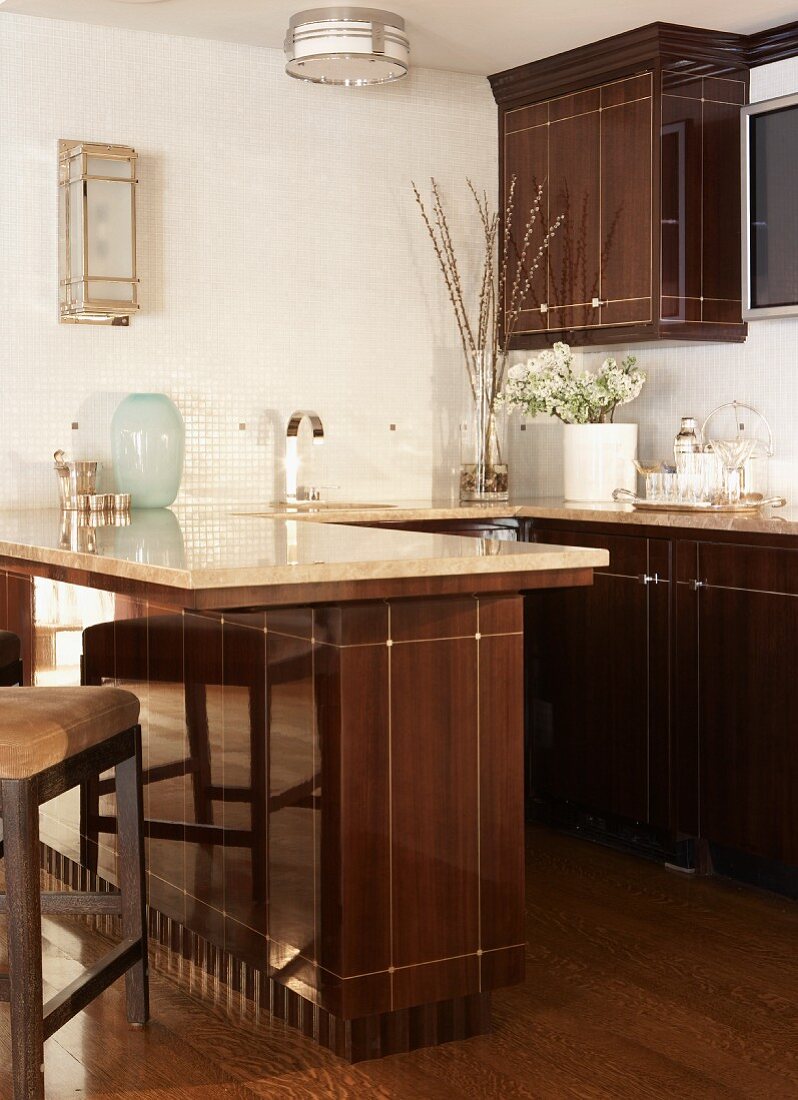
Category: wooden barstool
[52,739]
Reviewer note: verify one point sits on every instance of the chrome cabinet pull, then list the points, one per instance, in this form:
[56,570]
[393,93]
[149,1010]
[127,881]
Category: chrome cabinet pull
[646,578]
[696,584]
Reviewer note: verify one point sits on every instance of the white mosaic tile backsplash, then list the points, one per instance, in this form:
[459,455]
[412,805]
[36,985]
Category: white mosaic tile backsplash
[693,380]
[284,266]
[283,262]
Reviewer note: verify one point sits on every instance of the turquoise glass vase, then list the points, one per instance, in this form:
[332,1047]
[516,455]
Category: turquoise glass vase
[148,441]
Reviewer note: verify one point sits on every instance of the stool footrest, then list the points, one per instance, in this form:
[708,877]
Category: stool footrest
[86,903]
[80,993]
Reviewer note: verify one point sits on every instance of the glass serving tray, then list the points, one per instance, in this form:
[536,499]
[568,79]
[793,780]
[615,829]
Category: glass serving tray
[748,506]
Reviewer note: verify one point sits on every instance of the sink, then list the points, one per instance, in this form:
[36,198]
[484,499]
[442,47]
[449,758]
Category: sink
[282,507]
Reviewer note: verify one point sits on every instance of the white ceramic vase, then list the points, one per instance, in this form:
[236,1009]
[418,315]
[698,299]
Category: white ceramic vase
[597,459]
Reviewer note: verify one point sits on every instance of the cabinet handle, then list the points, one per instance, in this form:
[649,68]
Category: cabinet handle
[544,307]
[696,584]
[596,302]
[646,578]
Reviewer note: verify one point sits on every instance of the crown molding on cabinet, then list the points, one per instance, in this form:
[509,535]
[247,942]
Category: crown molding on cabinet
[773,44]
[710,53]
[674,47]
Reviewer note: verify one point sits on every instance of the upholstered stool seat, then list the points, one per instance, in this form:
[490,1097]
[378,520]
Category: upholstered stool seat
[40,727]
[53,739]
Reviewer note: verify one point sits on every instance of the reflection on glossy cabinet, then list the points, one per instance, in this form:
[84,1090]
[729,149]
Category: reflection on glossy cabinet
[738,635]
[637,146]
[598,683]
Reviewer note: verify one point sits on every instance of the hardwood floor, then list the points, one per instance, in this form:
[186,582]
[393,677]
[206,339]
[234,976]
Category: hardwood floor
[640,983]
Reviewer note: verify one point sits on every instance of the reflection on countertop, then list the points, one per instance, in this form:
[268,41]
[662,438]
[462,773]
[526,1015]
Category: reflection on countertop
[782,521]
[205,547]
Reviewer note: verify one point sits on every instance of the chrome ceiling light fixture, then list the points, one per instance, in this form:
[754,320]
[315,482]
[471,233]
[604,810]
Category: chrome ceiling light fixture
[351,47]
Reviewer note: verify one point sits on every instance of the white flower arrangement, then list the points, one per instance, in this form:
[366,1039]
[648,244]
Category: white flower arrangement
[549,384]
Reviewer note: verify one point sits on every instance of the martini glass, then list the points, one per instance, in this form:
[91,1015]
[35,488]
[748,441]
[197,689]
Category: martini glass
[733,454]
[652,472]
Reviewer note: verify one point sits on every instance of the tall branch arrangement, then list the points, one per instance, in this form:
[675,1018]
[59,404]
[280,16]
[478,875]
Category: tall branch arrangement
[508,270]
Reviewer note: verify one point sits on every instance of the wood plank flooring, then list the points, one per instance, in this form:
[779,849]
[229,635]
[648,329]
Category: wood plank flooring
[641,983]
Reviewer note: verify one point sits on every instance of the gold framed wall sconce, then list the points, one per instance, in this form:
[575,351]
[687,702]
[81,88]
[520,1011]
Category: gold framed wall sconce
[96,233]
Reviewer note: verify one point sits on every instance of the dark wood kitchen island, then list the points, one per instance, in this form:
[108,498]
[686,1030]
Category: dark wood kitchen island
[332,724]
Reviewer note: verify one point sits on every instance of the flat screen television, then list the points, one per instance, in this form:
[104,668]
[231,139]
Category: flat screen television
[770,208]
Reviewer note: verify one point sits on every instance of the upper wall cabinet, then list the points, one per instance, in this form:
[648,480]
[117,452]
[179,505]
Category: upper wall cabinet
[635,141]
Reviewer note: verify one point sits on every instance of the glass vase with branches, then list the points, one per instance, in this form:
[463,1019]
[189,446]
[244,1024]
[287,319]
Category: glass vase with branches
[487,319]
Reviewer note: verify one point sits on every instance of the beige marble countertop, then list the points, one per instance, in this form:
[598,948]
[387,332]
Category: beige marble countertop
[216,546]
[205,547]
[779,521]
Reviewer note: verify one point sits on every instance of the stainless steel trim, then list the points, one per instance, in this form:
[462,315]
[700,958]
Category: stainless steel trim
[296,419]
[753,313]
[369,34]
[346,15]
[291,450]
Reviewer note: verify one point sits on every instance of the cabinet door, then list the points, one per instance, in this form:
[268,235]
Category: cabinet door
[574,192]
[700,198]
[745,641]
[626,185]
[721,273]
[681,205]
[597,686]
[526,157]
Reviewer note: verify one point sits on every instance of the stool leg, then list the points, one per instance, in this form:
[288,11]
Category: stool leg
[89,833]
[131,878]
[199,743]
[21,841]
[259,785]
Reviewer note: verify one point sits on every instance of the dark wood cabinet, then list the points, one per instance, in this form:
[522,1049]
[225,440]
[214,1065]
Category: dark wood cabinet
[598,683]
[737,724]
[572,170]
[636,141]
[662,696]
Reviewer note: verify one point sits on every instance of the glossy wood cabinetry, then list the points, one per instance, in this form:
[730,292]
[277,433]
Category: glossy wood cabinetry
[736,703]
[577,147]
[700,198]
[637,146]
[333,794]
[663,697]
[598,683]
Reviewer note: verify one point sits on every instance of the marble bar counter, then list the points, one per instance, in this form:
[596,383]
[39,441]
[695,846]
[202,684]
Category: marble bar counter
[208,557]
[333,744]
[781,522]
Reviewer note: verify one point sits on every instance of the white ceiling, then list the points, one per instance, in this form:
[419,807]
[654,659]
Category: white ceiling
[475,36]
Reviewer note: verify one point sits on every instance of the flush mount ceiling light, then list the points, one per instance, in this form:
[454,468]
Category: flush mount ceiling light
[352,47]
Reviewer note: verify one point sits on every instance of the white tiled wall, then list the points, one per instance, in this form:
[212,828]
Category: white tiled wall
[693,380]
[283,262]
[284,266]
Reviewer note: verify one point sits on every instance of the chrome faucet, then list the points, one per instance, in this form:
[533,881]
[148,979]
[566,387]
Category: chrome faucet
[292,489]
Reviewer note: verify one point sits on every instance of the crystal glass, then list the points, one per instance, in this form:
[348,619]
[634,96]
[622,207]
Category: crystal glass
[654,486]
[670,488]
[733,453]
[689,483]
